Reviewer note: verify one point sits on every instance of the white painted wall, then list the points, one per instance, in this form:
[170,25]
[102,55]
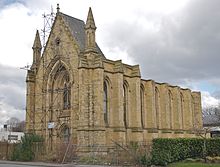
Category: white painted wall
[11,137]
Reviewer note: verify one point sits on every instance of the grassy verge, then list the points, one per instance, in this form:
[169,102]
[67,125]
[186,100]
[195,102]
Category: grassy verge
[193,164]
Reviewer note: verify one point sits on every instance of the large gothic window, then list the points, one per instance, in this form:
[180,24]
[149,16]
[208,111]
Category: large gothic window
[125,104]
[105,102]
[61,89]
[142,105]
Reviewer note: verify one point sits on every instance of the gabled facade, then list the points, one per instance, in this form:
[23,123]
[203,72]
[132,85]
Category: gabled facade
[76,95]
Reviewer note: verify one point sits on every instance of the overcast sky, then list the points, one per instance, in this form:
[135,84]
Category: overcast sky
[174,41]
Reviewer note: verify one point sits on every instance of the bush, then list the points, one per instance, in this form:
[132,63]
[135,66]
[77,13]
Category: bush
[165,151]
[138,153]
[24,150]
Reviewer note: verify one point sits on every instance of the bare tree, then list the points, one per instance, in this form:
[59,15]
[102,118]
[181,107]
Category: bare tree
[20,126]
[203,133]
[15,125]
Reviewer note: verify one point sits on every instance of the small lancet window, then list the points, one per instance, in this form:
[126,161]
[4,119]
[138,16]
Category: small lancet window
[142,105]
[181,109]
[66,97]
[170,107]
[193,110]
[65,134]
[157,106]
[125,104]
[57,41]
[105,101]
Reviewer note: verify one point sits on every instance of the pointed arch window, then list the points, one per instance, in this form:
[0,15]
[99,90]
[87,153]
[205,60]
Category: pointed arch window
[181,109]
[193,110]
[157,106]
[170,104]
[105,102]
[142,105]
[125,104]
[65,134]
[66,97]
[60,88]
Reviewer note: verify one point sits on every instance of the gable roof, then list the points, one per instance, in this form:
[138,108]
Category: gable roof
[77,28]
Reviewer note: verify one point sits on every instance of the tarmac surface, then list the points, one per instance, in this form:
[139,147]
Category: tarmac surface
[40,164]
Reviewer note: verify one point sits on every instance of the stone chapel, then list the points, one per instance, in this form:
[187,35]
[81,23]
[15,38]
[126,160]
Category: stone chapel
[76,95]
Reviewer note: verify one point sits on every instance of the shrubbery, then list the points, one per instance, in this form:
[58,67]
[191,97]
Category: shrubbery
[24,150]
[165,151]
[139,153]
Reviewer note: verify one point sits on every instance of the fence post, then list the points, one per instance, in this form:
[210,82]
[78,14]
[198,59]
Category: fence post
[7,150]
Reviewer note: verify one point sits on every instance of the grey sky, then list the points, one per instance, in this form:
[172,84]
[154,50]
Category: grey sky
[185,46]
[12,97]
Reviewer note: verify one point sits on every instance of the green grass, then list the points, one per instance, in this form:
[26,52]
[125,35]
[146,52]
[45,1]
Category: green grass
[193,164]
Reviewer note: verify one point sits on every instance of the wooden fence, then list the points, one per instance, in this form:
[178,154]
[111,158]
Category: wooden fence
[6,150]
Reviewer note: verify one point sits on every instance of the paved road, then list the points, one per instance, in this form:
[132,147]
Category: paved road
[25,165]
[13,165]
[39,164]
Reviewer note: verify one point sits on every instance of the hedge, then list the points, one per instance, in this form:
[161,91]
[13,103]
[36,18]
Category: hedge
[165,151]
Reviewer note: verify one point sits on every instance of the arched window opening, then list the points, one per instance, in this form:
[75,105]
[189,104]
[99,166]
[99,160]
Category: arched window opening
[157,106]
[105,101]
[60,98]
[66,97]
[142,106]
[181,109]
[125,104]
[65,134]
[170,103]
[193,112]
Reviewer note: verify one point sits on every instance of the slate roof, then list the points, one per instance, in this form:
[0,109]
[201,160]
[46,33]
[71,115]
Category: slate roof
[76,27]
